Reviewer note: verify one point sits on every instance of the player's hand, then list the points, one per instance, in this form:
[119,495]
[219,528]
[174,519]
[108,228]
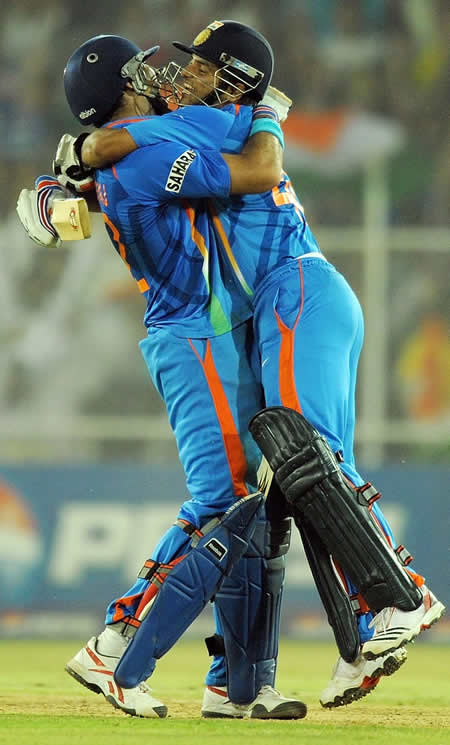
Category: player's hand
[68,167]
[34,207]
[278,101]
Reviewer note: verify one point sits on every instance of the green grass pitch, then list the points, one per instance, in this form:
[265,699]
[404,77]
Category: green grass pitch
[40,704]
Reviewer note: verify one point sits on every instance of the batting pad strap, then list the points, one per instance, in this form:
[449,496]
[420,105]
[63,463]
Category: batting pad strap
[215,645]
[187,527]
[404,555]
[149,569]
[127,627]
[358,604]
[206,528]
[367,494]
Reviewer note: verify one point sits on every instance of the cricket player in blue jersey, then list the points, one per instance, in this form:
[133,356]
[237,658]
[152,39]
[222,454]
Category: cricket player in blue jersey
[298,299]
[196,351]
[309,332]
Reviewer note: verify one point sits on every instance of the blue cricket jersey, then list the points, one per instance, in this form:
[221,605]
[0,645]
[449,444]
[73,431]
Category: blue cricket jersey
[260,232]
[155,208]
[256,233]
[197,253]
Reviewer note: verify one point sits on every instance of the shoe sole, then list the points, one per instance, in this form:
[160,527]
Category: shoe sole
[431,616]
[92,687]
[368,684]
[286,710]
[217,715]
[160,711]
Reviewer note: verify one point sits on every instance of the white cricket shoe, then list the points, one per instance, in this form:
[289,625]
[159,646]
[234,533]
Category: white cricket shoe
[269,704]
[352,681]
[96,671]
[393,628]
[217,705]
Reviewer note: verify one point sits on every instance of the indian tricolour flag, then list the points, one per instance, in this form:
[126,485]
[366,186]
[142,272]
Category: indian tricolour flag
[336,142]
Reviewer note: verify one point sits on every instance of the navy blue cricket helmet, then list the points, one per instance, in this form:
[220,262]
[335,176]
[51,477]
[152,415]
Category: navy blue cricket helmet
[97,73]
[239,49]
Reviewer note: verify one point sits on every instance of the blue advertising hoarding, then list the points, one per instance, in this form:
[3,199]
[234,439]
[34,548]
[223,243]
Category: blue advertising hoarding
[73,537]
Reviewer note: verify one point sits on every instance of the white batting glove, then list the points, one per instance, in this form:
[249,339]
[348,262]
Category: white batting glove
[68,167]
[278,101]
[34,207]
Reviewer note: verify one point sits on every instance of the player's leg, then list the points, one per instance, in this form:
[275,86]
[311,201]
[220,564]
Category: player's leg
[248,605]
[308,326]
[305,343]
[176,593]
[412,624]
[217,473]
[208,388]
[198,380]
[223,388]
[309,330]
[431,609]
[231,392]
[351,681]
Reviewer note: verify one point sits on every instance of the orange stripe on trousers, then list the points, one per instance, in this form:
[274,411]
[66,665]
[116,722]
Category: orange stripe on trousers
[286,372]
[122,605]
[233,446]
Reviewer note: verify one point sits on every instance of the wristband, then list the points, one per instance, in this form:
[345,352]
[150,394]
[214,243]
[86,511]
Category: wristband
[261,111]
[267,125]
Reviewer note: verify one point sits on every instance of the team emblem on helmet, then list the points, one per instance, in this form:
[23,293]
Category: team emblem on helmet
[206,33]
[202,37]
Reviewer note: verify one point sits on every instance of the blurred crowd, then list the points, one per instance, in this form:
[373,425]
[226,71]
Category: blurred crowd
[384,56]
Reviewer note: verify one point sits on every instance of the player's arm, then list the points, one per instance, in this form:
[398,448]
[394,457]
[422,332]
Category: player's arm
[256,169]
[259,165]
[193,126]
[106,146]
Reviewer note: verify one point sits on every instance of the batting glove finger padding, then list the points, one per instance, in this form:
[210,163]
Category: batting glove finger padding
[34,207]
[68,167]
[278,101]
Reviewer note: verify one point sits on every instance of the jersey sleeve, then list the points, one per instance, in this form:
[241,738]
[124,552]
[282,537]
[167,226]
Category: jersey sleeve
[239,131]
[170,170]
[194,126]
